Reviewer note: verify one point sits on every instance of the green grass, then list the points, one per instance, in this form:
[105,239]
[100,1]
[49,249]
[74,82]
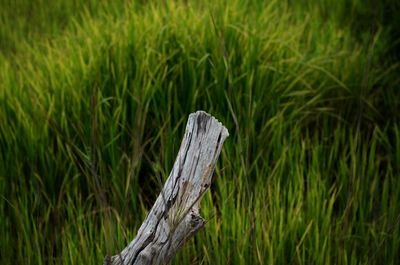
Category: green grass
[94,98]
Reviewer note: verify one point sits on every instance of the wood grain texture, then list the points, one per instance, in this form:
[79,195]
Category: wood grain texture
[174,217]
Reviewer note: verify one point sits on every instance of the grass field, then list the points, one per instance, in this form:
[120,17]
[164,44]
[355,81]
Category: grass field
[94,97]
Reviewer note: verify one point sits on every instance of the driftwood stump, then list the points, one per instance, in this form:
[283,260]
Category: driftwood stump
[174,217]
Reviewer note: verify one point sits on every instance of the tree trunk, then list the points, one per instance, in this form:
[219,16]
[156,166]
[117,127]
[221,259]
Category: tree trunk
[174,217]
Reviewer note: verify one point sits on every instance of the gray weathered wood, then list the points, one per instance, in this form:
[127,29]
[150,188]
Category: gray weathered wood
[174,217]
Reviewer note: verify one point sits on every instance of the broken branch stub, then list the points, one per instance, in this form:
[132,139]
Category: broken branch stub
[174,217]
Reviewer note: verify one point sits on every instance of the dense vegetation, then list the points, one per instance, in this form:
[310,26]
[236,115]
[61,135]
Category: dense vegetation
[94,97]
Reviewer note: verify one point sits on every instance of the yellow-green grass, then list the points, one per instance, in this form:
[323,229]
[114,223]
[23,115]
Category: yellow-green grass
[94,98]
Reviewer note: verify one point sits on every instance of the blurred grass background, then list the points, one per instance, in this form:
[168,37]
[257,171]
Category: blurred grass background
[94,98]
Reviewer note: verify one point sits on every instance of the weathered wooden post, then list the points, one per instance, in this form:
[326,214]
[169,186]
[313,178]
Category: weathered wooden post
[174,217]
